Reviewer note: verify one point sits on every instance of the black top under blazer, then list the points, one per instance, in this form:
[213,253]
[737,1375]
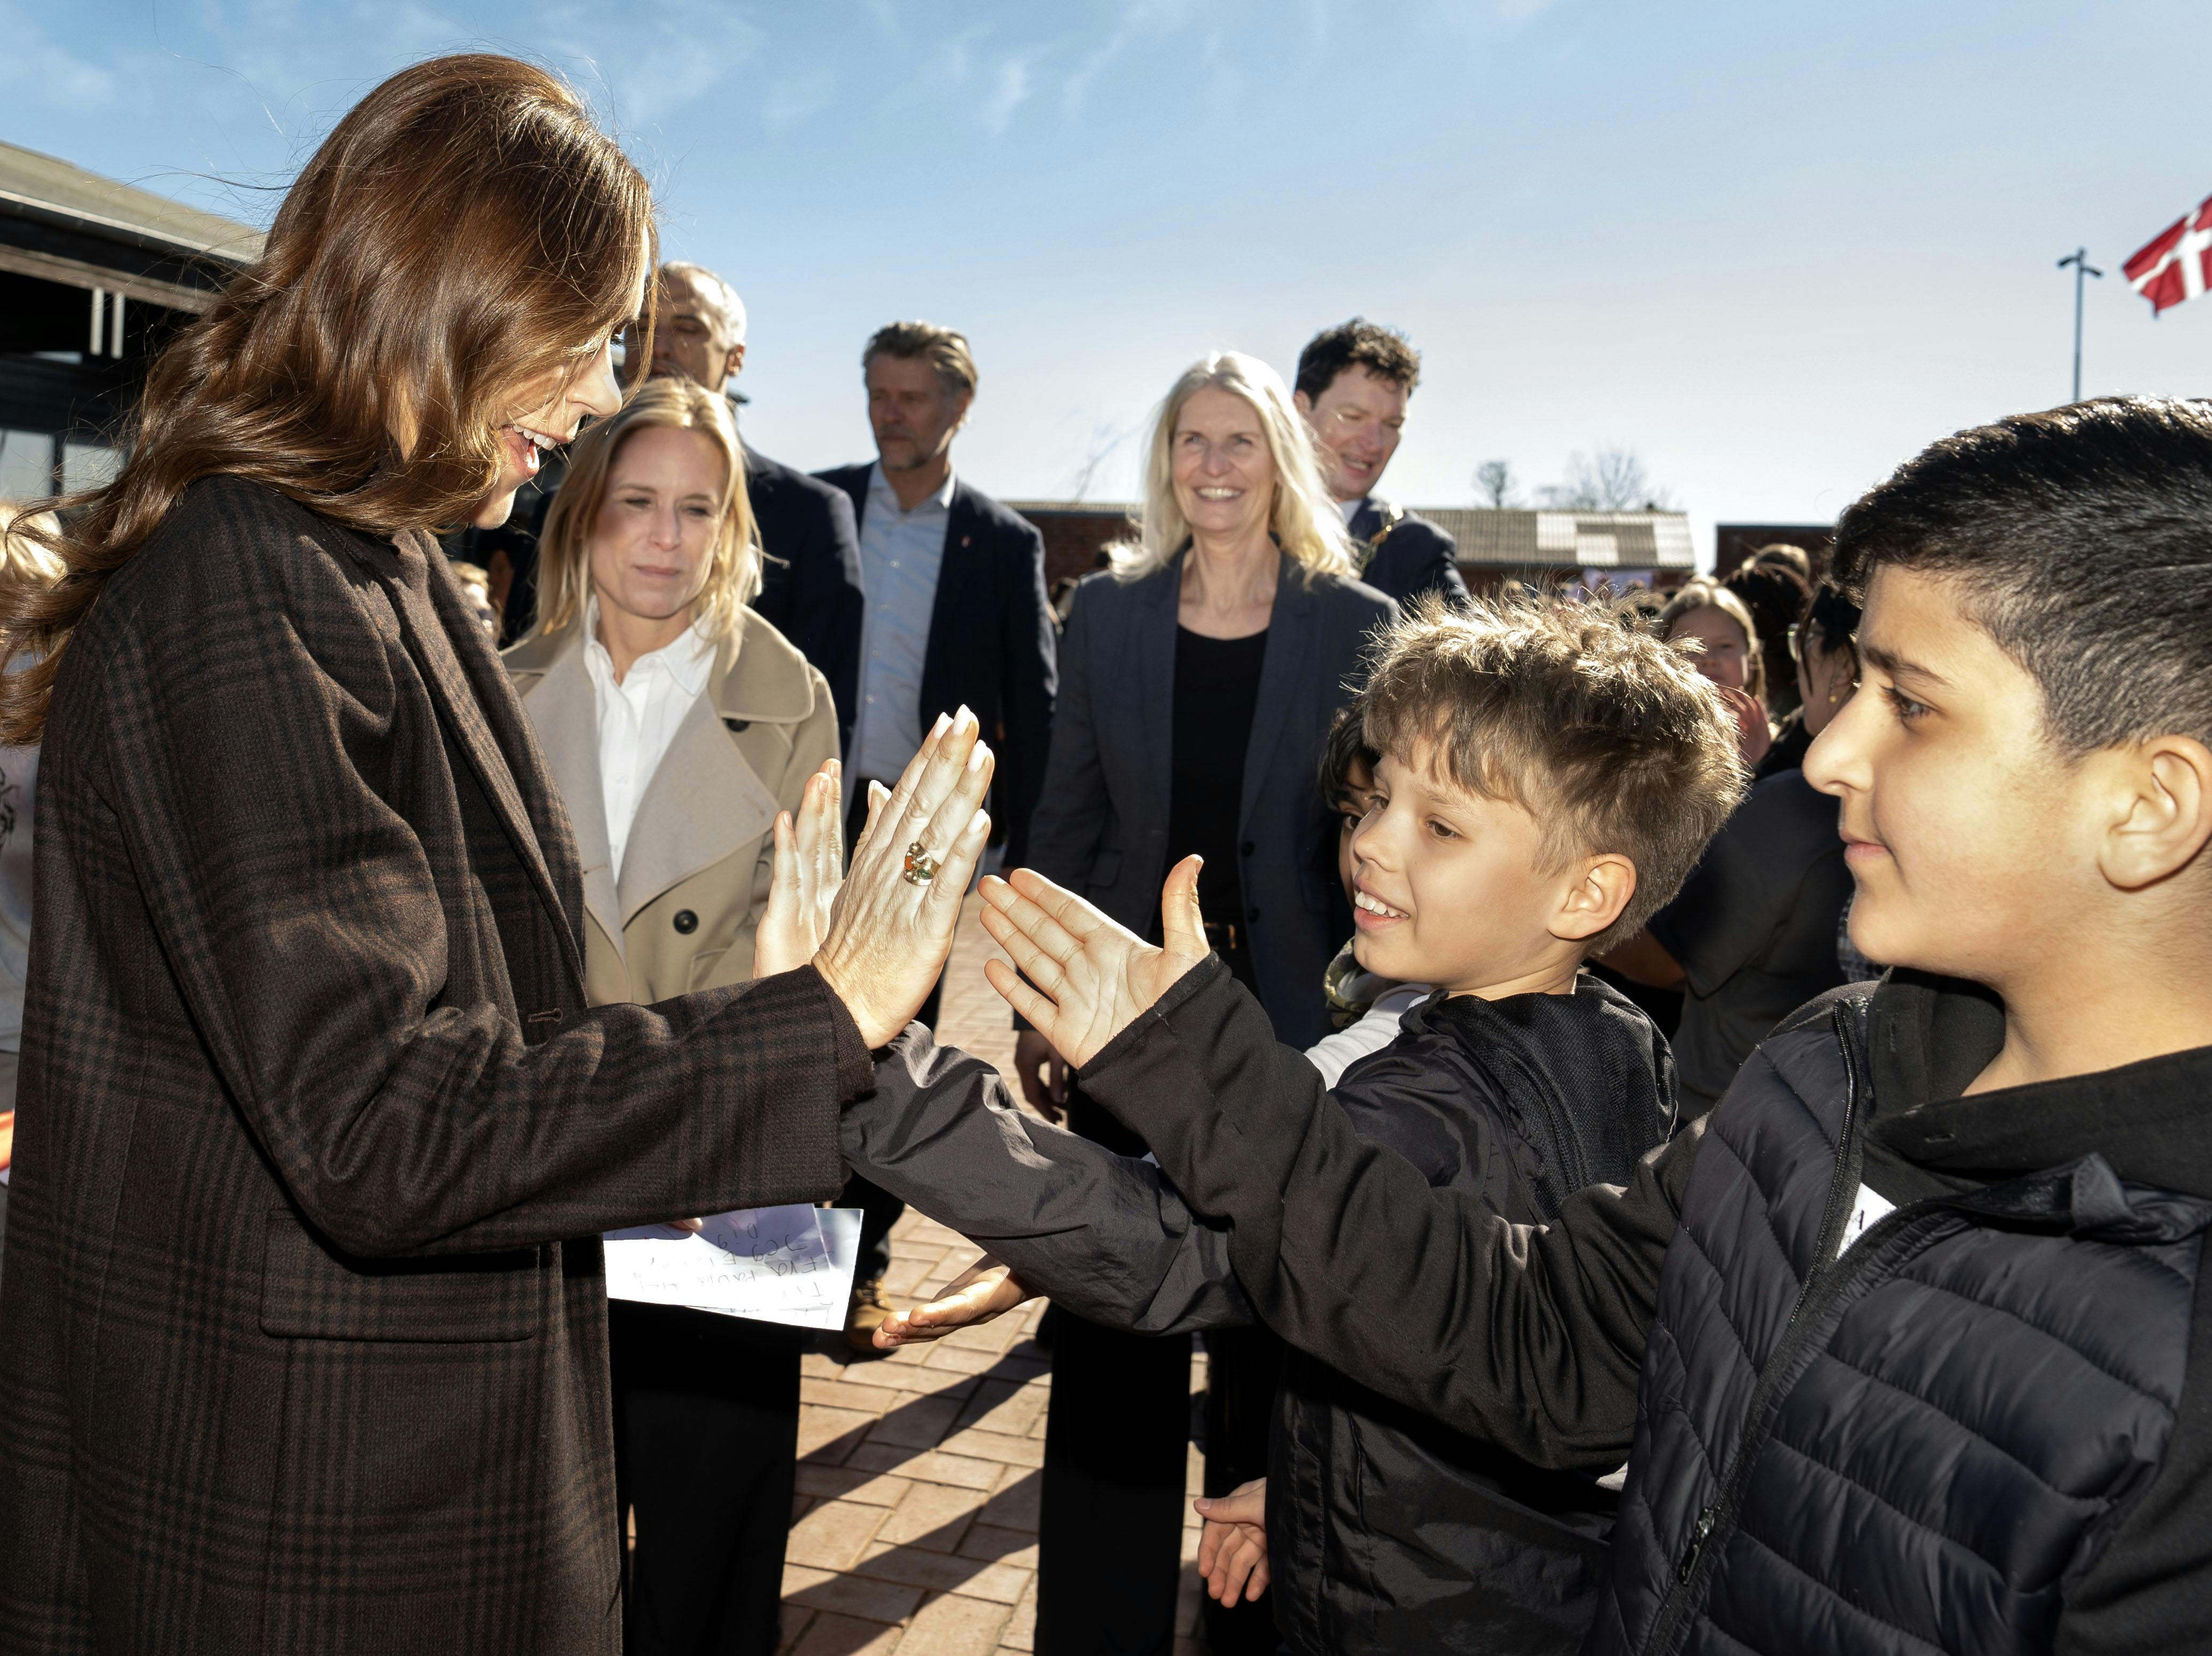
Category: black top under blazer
[992,645]
[810,574]
[1101,828]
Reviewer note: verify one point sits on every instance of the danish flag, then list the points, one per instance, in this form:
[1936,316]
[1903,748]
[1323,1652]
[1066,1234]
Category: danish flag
[2173,266]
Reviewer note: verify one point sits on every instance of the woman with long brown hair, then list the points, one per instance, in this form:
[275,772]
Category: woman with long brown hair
[302,1350]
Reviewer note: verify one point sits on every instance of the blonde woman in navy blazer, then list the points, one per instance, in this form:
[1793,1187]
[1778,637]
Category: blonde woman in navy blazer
[1197,678]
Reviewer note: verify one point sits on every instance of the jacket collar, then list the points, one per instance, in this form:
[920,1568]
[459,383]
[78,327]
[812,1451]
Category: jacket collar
[703,801]
[1931,1036]
[1292,629]
[689,660]
[563,709]
[477,704]
[760,676]
[702,804]
[879,490]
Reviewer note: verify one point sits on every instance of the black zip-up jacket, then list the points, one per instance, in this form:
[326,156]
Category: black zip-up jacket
[1387,1531]
[1921,1536]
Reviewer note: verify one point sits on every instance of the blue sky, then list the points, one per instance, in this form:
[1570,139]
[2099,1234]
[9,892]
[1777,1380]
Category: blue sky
[1773,247]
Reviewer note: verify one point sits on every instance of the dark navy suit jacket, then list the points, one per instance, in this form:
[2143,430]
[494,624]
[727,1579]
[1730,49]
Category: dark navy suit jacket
[992,645]
[1415,556]
[1102,827]
[810,577]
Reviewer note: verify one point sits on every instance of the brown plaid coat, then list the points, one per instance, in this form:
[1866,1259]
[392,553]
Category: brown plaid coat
[302,1327]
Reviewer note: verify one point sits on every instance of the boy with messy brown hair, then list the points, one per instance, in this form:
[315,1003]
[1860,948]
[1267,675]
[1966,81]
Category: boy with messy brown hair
[1547,773]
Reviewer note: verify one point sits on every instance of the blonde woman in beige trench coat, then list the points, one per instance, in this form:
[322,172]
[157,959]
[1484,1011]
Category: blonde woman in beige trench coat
[677,724]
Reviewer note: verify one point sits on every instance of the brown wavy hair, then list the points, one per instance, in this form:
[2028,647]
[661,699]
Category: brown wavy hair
[564,552]
[465,232]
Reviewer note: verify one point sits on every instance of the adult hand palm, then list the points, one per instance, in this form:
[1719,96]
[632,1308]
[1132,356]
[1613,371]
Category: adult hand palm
[1088,978]
[888,934]
[808,870]
[879,938]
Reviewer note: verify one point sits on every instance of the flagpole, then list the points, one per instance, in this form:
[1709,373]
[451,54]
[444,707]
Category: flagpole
[2080,260]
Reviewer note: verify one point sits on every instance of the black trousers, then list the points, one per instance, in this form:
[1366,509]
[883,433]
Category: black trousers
[1111,1520]
[705,1457]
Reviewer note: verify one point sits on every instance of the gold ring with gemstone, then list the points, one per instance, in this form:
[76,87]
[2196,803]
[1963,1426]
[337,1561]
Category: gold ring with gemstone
[921,867]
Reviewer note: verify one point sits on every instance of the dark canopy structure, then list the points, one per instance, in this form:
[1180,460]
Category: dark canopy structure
[93,275]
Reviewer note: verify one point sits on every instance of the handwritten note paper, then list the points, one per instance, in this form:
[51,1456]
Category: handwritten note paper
[775,1264]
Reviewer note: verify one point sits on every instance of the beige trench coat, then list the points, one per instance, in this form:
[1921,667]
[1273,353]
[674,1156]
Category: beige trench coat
[694,877]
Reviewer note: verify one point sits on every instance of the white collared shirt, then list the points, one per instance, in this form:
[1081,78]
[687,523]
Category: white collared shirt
[1352,508]
[639,717]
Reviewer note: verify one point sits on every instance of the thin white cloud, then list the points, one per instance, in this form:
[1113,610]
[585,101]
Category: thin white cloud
[36,69]
[793,98]
[1011,91]
[1139,17]
[673,54]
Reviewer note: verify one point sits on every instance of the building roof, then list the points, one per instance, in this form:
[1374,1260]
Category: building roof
[1509,539]
[41,186]
[1075,508]
[1566,540]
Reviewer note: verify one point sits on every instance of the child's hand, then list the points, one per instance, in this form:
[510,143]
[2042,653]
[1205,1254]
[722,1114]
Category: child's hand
[1043,1075]
[985,1291]
[1233,1548]
[1087,979]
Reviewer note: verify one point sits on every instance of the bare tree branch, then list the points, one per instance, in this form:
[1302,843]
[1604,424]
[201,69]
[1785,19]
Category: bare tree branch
[1613,480]
[1495,482]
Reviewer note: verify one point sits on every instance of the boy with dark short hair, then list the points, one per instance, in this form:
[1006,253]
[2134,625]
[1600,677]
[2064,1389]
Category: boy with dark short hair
[1914,1331]
[1546,775]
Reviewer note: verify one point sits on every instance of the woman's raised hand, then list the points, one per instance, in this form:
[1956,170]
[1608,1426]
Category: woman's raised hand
[810,867]
[1088,978]
[891,927]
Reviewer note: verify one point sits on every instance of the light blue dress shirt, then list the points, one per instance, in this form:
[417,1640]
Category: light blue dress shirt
[901,553]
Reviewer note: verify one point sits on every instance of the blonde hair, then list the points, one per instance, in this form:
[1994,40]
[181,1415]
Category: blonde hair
[1704,593]
[564,561]
[1303,515]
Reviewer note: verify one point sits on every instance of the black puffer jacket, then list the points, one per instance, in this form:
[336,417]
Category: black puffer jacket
[1988,1426]
[1920,1444]
[1387,1531]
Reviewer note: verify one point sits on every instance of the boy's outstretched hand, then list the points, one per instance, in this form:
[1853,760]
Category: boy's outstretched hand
[985,1291]
[1088,978]
[1233,1548]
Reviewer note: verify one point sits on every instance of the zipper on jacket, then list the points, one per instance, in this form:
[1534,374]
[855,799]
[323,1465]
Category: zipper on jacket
[1674,1610]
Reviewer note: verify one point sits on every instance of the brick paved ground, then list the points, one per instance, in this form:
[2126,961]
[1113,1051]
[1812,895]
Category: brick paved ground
[916,1527]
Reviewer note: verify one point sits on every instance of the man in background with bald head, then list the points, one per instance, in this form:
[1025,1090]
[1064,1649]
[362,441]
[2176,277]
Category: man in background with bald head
[810,577]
